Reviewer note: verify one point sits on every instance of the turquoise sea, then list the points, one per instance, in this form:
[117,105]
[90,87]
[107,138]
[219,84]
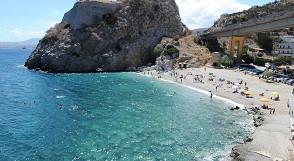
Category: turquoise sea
[109,116]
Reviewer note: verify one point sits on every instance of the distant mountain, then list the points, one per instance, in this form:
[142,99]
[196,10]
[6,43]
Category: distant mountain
[31,43]
[199,30]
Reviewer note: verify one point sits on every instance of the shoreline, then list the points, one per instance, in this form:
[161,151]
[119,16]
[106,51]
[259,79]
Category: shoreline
[225,100]
[270,140]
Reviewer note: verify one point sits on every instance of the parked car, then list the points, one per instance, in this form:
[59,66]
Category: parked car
[285,80]
[280,79]
[290,82]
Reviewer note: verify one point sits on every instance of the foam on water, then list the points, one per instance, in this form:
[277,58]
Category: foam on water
[225,100]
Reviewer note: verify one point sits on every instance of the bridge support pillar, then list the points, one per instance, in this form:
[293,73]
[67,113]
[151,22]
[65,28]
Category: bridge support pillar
[236,46]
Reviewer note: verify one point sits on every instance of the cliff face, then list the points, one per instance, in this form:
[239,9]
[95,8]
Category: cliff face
[107,36]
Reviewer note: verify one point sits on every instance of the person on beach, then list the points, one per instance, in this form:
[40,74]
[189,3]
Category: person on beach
[273,109]
[216,87]
[210,94]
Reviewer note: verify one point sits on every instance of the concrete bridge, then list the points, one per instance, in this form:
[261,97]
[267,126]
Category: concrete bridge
[236,32]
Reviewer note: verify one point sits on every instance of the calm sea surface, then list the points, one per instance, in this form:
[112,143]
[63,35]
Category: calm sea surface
[117,116]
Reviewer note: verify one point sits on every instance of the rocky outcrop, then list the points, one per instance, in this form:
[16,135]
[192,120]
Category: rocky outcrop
[107,36]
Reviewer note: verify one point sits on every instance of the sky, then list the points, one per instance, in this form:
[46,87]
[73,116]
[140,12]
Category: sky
[24,19]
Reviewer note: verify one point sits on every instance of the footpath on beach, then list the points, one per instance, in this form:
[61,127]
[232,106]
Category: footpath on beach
[272,138]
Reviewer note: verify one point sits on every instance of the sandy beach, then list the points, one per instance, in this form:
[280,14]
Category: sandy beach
[271,140]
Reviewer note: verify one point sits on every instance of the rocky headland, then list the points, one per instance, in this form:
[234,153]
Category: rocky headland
[104,36]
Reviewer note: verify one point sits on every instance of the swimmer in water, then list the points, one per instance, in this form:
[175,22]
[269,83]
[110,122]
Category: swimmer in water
[61,106]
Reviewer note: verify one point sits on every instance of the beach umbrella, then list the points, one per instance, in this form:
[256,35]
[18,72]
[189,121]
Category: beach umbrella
[275,93]
[264,100]
[249,92]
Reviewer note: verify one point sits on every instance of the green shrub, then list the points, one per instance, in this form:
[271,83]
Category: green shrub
[156,7]
[227,61]
[50,40]
[267,74]
[171,50]
[75,54]
[248,59]
[109,18]
[158,49]
[118,47]
[64,25]
[261,61]
[213,45]
[284,60]
[265,41]
[234,20]
[287,71]
[151,17]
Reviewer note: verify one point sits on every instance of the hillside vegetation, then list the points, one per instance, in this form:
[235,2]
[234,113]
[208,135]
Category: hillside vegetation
[253,13]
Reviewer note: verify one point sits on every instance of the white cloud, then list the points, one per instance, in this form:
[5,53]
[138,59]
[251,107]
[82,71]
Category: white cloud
[56,12]
[51,23]
[202,13]
[29,33]
[35,33]
[17,32]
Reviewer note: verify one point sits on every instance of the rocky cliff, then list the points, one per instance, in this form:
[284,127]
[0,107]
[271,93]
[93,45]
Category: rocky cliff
[107,36]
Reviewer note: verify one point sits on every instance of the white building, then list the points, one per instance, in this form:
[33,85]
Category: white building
[288,38]
[284,48]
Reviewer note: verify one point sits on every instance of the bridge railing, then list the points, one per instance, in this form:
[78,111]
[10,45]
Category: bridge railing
[254,21]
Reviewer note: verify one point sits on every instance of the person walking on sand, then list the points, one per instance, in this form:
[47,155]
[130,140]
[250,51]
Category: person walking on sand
[216,87]
[273,109]
[210,94]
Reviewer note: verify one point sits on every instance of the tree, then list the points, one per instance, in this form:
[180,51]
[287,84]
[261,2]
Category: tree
[158,49]
[213,45]
[227,61]
[267,74]
[284,60]
[287,71]
[265,41]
